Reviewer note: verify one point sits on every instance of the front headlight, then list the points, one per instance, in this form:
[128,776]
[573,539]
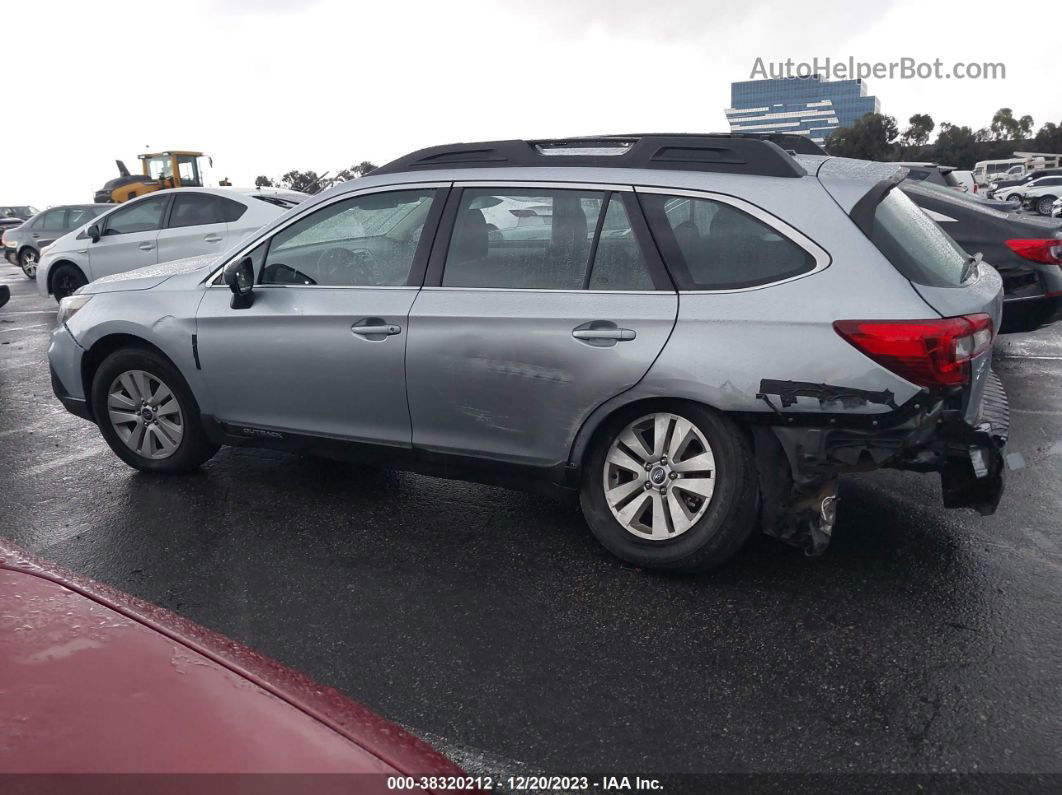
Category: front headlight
[44,250]
[71,305]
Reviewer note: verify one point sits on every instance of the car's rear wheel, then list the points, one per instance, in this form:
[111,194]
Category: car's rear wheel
[673,487]
[147,413]
[1044,204]
[27,260]
[65,280]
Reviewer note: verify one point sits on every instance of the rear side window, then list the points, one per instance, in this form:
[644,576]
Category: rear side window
[711,245]
[200,209]
[520,239]
[914,244]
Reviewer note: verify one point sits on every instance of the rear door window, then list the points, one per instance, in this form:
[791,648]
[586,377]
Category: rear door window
[52,221]
[712,245]
[619,263]
[914,244]
[195,209]
[522,239]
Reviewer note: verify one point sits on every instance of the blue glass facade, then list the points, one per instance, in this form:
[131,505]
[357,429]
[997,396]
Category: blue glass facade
[809,106]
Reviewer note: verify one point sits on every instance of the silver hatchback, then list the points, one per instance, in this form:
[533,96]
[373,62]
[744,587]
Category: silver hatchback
[697,334]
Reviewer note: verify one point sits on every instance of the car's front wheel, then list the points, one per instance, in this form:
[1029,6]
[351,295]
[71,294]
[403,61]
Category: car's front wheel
[674,487]
[65,280]
[147,413]
[27,260]
[1044,205]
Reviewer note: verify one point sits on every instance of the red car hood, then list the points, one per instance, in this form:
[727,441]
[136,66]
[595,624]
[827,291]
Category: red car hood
[93,680]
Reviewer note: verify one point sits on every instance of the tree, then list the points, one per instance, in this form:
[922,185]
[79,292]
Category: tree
[956,146]
[870,137]
[304,181]
[1005,127]
[263,182]
[1049,138]
[360,170]
[917,134]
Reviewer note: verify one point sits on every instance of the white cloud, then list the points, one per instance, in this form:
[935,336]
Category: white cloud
[268,86]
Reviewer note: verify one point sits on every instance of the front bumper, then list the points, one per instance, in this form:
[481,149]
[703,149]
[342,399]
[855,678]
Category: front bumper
[64,362]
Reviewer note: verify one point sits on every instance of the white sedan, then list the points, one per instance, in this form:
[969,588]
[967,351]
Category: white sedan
[158,227]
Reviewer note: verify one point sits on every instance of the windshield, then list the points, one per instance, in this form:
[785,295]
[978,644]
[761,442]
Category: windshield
[915,244]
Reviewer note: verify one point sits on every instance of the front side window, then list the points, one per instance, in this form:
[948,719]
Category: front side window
[364,241]
[711,245]
[517,238]
[143,216]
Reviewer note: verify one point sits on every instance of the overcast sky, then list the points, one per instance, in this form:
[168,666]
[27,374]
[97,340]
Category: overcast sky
[272,85]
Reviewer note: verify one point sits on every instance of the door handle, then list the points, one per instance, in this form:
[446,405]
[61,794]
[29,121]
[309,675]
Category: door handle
[146,246]
[34,235]
[375,328]
[212,239]
[618,334]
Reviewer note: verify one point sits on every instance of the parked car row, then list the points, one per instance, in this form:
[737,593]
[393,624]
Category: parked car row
[1036,191]
[66,247]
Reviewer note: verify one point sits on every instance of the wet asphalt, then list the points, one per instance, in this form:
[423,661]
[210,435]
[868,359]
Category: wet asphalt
[924,640]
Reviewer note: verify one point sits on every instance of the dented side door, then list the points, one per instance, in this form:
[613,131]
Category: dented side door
[511,374]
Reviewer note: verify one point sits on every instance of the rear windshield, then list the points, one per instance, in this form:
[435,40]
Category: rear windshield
[914,244]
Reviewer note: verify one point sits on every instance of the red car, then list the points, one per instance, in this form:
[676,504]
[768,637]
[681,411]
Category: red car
[93,680]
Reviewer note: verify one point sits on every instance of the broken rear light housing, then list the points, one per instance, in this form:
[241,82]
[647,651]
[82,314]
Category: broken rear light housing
[930,353]
[1045,250]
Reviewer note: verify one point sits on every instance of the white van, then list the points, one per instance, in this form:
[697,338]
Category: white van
[987,171]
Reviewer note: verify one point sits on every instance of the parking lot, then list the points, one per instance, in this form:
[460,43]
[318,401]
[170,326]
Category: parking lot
[492,623]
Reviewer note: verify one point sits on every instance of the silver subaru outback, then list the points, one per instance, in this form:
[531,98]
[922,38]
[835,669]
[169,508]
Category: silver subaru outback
[696,333]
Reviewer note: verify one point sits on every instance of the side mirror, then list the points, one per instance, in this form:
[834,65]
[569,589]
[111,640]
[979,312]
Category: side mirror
[239,276]
[94,232]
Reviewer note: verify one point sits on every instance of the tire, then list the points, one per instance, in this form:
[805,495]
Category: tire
[65,280]
[1014,197]
[27,260]
[1043,205]
[121,383]
[710,529]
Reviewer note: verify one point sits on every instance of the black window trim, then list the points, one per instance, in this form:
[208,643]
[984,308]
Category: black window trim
[819,255]
[437,261]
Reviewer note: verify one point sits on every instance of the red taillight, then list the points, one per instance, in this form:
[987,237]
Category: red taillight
[925,352]
[1045,250]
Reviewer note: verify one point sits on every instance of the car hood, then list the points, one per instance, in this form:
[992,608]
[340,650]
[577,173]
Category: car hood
[151,275]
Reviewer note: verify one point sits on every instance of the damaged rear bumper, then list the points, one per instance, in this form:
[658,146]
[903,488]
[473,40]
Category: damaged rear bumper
[925,434]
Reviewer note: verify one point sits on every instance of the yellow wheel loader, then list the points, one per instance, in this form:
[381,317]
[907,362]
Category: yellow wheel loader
[174,169]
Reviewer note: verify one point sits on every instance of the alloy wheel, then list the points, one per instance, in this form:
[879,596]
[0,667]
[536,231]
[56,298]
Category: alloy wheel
[29,264]
[145,414]
[1044,206]
[659,476]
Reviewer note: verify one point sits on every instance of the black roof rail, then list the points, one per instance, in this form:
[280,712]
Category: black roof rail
[791,142]
[715,152]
